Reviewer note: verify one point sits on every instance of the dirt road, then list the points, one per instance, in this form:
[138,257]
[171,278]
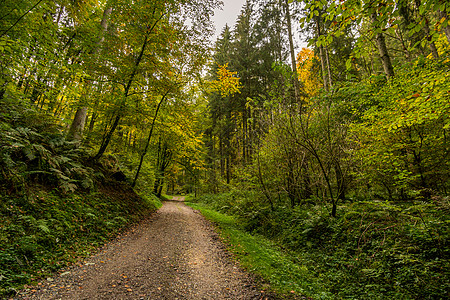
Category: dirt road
[175,254]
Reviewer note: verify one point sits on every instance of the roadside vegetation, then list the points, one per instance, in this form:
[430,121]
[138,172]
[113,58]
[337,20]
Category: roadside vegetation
[56,207]
[372,250]
[283,272]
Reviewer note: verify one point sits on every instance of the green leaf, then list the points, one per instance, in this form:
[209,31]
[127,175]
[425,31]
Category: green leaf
[348,63]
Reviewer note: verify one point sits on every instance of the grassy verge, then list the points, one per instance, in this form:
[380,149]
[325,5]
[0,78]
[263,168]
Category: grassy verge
[284,271]
[371,250]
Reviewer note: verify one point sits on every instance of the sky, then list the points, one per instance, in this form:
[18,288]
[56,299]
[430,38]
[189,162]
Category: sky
[227,15]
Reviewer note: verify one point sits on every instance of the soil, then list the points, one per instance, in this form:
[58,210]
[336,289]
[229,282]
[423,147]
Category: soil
[174,254]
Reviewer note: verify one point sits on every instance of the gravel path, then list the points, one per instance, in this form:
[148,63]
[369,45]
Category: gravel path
[175,254]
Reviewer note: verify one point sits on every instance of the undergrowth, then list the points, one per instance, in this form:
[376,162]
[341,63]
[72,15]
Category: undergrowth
[44,232]
[284,271]
[57,205]
[371,250]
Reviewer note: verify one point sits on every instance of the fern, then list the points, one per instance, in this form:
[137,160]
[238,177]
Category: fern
[42,225]
[29,151]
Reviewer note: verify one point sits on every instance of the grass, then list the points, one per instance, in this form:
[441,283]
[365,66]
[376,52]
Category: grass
[282,270]
[371,250]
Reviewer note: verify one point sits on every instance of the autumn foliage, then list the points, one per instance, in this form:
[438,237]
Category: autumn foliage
[227,82]
[308,73]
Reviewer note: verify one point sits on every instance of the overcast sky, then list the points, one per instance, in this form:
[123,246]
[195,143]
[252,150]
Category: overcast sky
[227,15]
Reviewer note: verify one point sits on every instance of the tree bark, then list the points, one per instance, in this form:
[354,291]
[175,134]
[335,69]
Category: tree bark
[104,24]
[382,49]
[77,127]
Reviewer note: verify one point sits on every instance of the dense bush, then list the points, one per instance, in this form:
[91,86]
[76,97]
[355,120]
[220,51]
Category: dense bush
[372,250]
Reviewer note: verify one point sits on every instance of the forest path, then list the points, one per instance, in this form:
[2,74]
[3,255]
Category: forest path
[175,254]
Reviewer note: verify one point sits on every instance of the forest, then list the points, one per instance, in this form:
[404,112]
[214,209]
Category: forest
[338,152]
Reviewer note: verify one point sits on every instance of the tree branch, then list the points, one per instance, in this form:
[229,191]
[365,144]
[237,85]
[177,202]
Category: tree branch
[21,17]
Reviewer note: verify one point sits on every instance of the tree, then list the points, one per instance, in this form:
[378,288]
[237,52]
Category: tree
[307,71]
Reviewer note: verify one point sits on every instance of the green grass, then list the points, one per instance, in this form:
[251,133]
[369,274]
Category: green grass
[151,199]
[371,250]
[282,270]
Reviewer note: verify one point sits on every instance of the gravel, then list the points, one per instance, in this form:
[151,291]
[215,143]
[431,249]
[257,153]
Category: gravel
[174,254]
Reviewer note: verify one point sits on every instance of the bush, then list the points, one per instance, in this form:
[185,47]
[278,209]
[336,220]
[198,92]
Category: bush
[372,250]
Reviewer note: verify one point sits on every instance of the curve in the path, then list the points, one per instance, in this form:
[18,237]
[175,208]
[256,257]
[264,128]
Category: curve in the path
[173,255]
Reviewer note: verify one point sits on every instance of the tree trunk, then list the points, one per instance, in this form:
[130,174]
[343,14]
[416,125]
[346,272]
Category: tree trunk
[426,29]
[3,89]
[263,186]
[104,24]
[158,168]
[76,133]
[20,18]
[163,161]
[77,127]
[322,57]
[333,210]
[244,136]
[330,81]
[108,137]
[446,28]
[228,174]
[148,140]
[382,49]
[292,52]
